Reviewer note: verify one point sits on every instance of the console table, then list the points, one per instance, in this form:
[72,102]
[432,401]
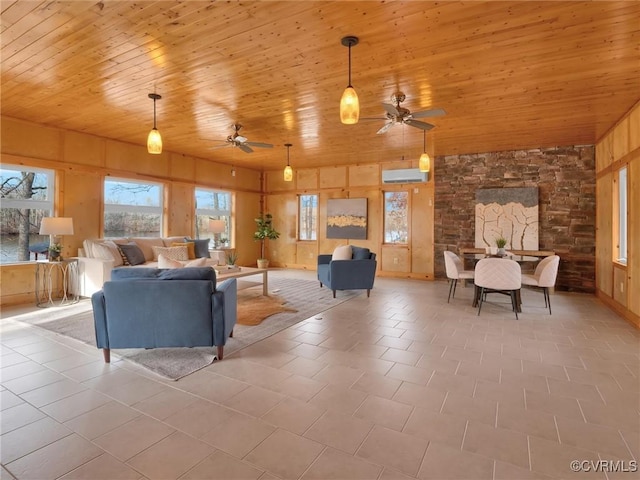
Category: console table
[57,282]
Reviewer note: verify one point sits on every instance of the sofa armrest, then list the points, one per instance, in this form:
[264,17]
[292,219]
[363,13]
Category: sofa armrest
[324,259]
[225,310]
[92,273]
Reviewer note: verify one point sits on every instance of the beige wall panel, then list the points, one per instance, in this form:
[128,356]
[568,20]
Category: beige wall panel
[307,179]
[182,167]
[604,241]
[395,259]
[633,263]
[275,181]
[246,210]
[307,254]
[30,140]
[621,139]
[620,287]
[395,166]
[374,221]
[246,179]
[333,177]
[422,218]
[362,175]
[180,207]
[283,207]
[634,128]
[83,203]
[136,159]
[83,149]
[18,284]
[604,153]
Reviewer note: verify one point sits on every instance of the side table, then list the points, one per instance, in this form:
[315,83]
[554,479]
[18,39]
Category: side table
[57,283]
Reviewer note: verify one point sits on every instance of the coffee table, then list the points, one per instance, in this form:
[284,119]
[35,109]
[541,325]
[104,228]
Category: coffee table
[246,272]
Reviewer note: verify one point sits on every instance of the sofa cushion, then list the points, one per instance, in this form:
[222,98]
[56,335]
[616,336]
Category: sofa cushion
[191,248]
[146,244]
[201,246]
[132,253]
[107,250]
[174,253]
[197,273]
[164,262]
[169,240]
[361,253]
[342,252]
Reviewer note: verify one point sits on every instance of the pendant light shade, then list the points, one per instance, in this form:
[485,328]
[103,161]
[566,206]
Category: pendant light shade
[288,171]
[424,164]
[154,140]
[349,103]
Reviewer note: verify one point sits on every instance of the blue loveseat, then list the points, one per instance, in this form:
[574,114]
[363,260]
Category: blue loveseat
[155,308]
[357,273]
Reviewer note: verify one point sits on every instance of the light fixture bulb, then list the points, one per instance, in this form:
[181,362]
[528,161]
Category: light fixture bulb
[349,103]
[154,142]
[424,164]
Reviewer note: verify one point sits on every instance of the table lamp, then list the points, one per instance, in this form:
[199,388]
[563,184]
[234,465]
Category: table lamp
[216,227]
[56,227]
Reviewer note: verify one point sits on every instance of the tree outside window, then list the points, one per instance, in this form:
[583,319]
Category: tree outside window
[622,216]
[396,217]
[213,205]
[307,217]
[132,209]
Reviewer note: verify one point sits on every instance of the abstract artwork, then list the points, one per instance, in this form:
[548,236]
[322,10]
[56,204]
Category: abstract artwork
[347,218]
[511,213]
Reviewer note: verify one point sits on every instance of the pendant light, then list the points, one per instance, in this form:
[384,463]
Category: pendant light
[154,140]
[424,164]
[288,171]
[349,104]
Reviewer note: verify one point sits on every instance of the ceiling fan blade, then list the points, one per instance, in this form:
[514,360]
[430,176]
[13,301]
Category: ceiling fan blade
[385,127]
[417,124]
[391,109]
[436,112]
[245,148]
[259,144]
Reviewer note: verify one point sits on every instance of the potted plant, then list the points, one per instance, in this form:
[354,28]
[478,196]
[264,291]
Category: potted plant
[264,230]
[501,242]
[55,250]
[232,258]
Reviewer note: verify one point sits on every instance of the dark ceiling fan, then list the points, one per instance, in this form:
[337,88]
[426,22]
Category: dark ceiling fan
[237,140]
[397,114]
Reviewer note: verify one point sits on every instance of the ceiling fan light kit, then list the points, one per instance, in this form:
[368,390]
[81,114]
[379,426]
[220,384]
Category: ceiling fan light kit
[154,140]
[237,140]
[349,103]
[288,171]
[424,164]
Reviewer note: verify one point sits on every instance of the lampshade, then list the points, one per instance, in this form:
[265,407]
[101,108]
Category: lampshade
[288,171]
[56,226]
[217,226]
[349,103]
[154,140]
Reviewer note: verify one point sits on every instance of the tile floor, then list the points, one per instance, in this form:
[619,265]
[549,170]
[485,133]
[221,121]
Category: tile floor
[400,385]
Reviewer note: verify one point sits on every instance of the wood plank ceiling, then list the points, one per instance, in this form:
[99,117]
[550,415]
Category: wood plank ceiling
[510,75]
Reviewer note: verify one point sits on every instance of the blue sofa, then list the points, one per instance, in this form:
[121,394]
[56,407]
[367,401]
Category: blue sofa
[355,274]
[155,308]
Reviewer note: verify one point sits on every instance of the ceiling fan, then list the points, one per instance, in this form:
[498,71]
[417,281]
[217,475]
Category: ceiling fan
[237,140]
[397,114]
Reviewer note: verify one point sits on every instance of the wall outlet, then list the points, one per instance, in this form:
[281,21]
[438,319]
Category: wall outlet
[395,260]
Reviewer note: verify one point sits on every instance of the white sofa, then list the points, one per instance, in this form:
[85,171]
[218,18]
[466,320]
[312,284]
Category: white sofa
[99,257]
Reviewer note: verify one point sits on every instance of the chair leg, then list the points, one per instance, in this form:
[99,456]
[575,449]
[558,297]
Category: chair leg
[451,288]
[368,292]
[106,352]
[334,294]
[220,351]
[514,303]
[547,298]
[480,302]
[455,284]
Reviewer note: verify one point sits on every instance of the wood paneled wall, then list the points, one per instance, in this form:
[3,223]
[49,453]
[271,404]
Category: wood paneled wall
[619,285]
[81,162]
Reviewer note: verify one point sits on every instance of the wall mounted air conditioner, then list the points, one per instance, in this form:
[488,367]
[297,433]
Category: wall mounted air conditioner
[404,175]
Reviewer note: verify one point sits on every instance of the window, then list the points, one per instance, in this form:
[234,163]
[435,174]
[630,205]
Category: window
[213,205]
[622,216]
[396,214]
[132,209]
[27,196]
[308,217]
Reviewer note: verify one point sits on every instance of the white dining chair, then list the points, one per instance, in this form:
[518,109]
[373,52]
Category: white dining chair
[455,271]
[544,277]
[498,275]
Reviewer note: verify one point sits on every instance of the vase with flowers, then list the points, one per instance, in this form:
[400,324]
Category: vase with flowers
[55,250]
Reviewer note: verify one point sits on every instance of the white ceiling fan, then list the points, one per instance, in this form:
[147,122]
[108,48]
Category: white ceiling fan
[397,114]
[237,140]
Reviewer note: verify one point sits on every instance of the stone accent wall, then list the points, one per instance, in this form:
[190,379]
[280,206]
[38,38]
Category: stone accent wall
[566,179]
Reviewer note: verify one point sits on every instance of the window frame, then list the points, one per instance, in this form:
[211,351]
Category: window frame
[215,214]
[384,218]
[620,222]
[315,217]
[129,208]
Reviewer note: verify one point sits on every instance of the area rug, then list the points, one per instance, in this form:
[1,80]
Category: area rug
[254,307]
[299,300]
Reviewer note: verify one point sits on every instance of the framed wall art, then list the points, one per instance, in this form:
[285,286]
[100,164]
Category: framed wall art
[347,218]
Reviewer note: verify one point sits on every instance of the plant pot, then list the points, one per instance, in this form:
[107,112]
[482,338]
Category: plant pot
[501,252]
[263,263]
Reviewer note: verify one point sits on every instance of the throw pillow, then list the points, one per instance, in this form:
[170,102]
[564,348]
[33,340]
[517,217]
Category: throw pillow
[201,245]
[174,253]
[146,245]
[164,262]
[198,262]
[191,248]
[342,252]
[361,253]
[108,250]
[132,253]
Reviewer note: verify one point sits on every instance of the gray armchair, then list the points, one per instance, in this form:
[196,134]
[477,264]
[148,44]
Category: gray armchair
[161,308]
[355,274]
